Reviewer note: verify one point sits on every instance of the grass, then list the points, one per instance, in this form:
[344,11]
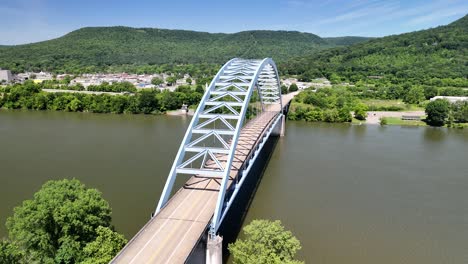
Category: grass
[378,103]
[398,121]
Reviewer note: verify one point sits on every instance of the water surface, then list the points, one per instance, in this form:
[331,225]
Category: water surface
[351,194]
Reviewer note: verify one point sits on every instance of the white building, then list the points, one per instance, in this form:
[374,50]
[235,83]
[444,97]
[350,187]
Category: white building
[451,99]
[5,75]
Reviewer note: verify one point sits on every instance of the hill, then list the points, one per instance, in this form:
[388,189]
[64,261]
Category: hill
[346,41]
[99,47]
[419,56]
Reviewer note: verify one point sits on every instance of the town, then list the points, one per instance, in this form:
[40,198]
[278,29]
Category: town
[163,81]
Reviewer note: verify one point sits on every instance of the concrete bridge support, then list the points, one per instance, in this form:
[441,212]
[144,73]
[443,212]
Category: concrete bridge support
[280,128]
[214,250]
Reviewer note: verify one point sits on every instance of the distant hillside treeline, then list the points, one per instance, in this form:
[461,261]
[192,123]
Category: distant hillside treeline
[96,48]
[438,53]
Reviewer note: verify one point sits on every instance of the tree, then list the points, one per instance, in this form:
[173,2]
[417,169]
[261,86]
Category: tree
[293,87]
[460,111]
[437,112]
[147,101]
[189,81]
[157,81]
[59,221]
[430,91]
[284,89]
[171,80]
[360,111]
[199,89]
[10,253]
[415,95]
[265,242]
[107,244]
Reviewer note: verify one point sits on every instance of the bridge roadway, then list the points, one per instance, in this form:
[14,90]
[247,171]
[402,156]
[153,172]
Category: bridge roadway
[170,236]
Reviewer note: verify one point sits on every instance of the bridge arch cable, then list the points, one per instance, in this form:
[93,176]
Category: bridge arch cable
[209,145]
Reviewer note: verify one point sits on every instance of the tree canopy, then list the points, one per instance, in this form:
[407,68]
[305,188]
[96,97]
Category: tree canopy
[94,49]
[437,112]
[429,57]
[265,242]
[63,223]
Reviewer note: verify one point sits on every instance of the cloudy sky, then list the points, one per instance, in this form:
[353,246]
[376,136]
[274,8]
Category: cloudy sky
[25,21]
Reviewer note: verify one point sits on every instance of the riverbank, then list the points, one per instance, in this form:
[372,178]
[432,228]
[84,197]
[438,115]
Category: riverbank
[373,117]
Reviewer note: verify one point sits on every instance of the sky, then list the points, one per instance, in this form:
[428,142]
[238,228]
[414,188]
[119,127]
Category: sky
[26,21]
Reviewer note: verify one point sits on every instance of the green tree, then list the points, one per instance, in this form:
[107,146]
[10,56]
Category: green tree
[430,91]
[284,89]
[265,242]
[75,105]
[171,80]
[460,111]
[360,111]
[293,87]
[437,112]
[147,101]
[189,81]
[157,81]
[10,253]
[59,221]
[106,245]
[415,95]
[199,89]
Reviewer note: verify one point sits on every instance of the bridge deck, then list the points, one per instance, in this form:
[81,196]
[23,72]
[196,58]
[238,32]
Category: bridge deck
[170,236]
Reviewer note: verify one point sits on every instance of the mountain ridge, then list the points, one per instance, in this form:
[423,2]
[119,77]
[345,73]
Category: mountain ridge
[100,47]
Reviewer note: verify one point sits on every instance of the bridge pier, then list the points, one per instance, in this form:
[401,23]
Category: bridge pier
[280,127]
[214,250]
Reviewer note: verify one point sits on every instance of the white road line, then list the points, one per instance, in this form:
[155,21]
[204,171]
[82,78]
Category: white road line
[188,231]
[159,229]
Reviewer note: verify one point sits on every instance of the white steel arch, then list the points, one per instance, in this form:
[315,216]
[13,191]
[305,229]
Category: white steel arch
[209,145]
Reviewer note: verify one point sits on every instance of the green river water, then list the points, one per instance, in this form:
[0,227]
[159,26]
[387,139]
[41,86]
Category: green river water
[351,194]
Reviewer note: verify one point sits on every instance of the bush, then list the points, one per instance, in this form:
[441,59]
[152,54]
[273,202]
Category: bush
[437,112]
[293,87]
[383,121]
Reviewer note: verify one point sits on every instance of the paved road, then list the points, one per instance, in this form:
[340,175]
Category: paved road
[83,92]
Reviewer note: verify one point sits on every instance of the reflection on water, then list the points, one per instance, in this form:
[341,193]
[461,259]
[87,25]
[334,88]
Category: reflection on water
[351,194]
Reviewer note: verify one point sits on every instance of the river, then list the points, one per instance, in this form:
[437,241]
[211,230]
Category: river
[351,194]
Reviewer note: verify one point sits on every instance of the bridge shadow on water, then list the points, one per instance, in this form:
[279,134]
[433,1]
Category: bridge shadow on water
[234,219]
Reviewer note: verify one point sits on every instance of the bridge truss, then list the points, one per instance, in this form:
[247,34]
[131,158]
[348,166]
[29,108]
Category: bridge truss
[208,147]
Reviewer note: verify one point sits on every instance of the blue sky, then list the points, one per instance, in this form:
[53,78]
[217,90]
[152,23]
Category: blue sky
[24,21]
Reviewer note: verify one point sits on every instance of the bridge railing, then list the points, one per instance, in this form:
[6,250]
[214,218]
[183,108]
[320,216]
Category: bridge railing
[248,162]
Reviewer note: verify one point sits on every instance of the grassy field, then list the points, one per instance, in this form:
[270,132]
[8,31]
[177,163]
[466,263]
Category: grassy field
[387,105]
[398,121]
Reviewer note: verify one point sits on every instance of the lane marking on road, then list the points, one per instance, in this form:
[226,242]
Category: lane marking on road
[188,231]
[160,227]
[175,228]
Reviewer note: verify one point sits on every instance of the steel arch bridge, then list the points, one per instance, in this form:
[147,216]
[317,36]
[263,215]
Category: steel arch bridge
[209,145]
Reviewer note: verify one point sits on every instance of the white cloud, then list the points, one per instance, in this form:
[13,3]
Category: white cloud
[440,14]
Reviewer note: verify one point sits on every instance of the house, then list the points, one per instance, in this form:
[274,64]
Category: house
[5,75]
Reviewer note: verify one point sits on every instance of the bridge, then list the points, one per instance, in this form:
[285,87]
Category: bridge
[240,110]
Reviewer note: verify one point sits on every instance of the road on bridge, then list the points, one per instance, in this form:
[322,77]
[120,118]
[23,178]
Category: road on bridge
[170,236]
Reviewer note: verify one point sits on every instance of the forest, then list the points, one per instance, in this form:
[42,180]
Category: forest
[154,101]
[97,49]
[427,57]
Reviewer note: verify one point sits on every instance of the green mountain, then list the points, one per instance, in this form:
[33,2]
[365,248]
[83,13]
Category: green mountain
[346,41]
[440,52]
[99,47]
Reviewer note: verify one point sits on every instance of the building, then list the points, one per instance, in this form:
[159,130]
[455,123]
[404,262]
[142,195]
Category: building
[5,75]
[451,99]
